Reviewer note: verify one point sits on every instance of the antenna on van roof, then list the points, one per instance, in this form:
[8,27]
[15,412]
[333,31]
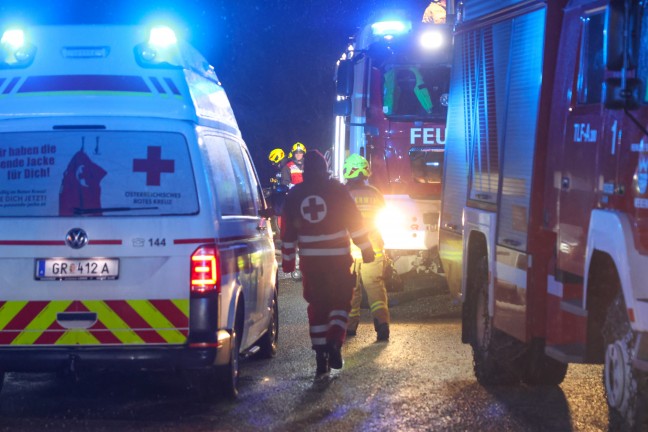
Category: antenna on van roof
[96,150]
[82,143]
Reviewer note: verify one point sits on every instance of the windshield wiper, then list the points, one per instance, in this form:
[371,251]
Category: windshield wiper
[81,211]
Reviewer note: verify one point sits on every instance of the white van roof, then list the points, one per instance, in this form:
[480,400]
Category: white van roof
[99,70]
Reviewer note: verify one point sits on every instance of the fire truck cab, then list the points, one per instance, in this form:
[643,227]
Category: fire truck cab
[392,86]
[132,228]
[543,225]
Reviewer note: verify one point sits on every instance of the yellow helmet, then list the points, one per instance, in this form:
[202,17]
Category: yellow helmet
[276,155]
[356,165]
[298,147]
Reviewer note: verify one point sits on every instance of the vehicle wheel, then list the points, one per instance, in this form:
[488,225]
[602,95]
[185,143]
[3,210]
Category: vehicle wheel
[490,347]
[229,374]
[268,342]
[540,369]
[296,275]
[626,388]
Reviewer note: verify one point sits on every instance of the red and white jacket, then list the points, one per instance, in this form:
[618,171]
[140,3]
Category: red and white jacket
[318,219]
[292,173]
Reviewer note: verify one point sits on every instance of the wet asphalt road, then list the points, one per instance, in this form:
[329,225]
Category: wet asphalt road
[421,380]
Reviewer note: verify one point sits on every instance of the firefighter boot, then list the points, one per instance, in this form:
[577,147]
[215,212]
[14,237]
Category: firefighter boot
[382,331]
[352,326]
[322,359]
[335,355]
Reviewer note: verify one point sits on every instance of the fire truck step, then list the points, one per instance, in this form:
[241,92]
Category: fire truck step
[569,353]
[574,306]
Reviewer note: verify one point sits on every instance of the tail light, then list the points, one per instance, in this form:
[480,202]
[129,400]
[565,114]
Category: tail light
[205,270]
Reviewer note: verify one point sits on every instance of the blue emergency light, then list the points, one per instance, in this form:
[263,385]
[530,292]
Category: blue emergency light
[390,28]
[14,38]
[161,49]
[162,37]
[15,52]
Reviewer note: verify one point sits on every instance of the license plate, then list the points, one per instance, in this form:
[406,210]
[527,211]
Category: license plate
[81,269]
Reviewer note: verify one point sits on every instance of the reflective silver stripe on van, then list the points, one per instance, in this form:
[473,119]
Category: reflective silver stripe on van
[325,237]
[289,245]
[324,252]
[288,257]
[360,232]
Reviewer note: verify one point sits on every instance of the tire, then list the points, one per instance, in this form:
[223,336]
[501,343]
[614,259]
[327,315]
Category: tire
[491,348]
[540,369]
[626,388]
[229,373]
[268,342]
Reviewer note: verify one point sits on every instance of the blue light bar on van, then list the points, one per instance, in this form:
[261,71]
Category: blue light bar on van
[15,38]
[15,52]
[390,28]
[162,37]
[160,50]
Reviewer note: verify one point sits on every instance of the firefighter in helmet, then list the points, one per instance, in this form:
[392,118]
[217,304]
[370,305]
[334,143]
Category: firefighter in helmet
[319,219]
[369,201]
[292,172]
[436,12]
[278,190]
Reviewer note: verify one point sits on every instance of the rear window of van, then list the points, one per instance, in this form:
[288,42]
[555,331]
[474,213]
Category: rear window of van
[98,173]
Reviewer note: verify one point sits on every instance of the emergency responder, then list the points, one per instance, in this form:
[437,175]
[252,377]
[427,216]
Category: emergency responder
[319,215]
[292,172]
[369,201]
[435,12]
[277,158]
[278,190]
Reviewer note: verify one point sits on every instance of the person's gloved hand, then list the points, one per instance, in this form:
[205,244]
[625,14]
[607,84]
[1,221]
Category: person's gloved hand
[288,266]
[368,256]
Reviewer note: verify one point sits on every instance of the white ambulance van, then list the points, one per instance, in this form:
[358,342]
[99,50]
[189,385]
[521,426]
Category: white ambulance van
[132,228]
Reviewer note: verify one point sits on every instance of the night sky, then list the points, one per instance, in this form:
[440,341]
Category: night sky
[275,58]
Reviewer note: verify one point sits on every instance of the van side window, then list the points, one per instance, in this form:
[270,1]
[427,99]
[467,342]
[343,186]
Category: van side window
[590,74]
[257,192]
[230,177]
[246,193]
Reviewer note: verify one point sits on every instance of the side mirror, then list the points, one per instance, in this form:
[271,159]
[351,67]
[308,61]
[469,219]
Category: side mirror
[617,97]
[616,46]
[344,78]
[342,108]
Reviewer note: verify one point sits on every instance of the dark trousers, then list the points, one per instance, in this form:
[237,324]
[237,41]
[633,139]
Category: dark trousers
[328,294]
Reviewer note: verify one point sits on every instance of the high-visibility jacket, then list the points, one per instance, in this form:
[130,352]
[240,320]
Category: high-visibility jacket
[369,201]
[292,173]
[318,219]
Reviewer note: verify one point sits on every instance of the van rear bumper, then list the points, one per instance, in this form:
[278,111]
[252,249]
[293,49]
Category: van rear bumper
[174,357]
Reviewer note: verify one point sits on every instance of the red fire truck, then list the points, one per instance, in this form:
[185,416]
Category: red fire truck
[544,223]
[392,86]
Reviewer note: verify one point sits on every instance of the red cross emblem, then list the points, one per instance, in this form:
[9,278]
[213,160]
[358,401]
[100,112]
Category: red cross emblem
[153,165]
[313,208]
